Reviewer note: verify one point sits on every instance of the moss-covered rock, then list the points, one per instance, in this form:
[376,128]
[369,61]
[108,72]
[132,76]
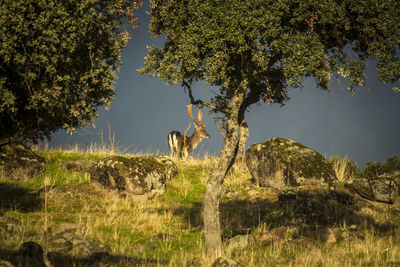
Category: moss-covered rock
[137,176]
[282,162]
[18,162]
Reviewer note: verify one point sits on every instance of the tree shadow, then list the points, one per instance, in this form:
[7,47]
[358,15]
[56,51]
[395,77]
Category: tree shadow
[62,260]
[16,197]
[100,259]
[309,209]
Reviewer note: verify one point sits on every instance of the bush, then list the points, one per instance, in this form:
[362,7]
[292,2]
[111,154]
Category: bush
[374,169]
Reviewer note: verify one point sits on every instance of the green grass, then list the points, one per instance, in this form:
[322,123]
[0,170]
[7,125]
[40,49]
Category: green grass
[169,231]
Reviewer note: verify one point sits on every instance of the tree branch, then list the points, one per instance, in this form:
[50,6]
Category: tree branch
[187,86]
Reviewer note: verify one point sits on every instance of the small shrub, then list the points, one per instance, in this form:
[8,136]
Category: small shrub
[374,169]
[345,169]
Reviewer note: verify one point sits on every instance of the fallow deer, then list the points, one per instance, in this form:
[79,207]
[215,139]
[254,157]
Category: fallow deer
[183,145]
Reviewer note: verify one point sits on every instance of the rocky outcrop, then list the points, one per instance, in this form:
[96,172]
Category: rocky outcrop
[143,177]
[282,162]
[65,246]
[384,188]
[17,162]
[225,262]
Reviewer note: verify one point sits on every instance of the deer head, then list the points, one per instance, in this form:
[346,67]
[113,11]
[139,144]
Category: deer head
[199,126]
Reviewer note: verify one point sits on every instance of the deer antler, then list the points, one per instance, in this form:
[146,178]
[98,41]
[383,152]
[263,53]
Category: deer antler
[199,115]
[189,110]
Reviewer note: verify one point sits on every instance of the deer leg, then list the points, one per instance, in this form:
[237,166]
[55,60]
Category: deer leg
[185,154]
[171,152]
[178,152]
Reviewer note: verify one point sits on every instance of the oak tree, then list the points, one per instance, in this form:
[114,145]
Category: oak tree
[256,50]
[58,62]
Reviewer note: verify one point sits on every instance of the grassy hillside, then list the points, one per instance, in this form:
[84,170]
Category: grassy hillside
[281,228]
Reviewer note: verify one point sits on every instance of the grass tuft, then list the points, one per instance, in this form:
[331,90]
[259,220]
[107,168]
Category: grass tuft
[344,168]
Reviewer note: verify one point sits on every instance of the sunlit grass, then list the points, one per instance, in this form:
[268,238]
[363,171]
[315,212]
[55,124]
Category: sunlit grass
[343,168]
[168,230]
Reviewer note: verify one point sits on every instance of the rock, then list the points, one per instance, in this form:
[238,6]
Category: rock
[137,176]
[9,228]
[326,235]
[238,242]
[144,247]
[55,191]
[80,165]
[163,237]
[18,162]
[65,227]
[293,232]
[30,254]
[385,188]
[4,263]
[282,162]
[318,206]
[275,235]
[76,245]
[349,235]
[225,262]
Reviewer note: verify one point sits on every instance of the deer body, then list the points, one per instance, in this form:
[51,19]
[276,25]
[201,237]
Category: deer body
[183,145]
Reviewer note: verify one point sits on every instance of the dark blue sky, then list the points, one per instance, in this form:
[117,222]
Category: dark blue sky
[364,126]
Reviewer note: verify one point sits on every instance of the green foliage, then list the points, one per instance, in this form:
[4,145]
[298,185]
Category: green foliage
[265,47]
[58,62]
[373,169]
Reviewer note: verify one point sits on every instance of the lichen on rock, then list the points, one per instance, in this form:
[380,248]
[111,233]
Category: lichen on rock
[135,176]
[283,162]
[18,162]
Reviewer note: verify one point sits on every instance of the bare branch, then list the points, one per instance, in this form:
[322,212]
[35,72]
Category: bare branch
[220,130]
[187,86]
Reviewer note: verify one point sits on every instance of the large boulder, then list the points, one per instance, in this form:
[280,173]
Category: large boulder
[143,176]
[18,162]
[282,162]
[384,188]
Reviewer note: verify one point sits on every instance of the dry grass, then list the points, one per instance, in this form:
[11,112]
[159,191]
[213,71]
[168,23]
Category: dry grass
[172,223]
[342,168]
[93,148]
[239,176]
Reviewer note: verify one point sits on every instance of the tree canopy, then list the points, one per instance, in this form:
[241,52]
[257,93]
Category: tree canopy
[256,50]
[273,45]
[58,62]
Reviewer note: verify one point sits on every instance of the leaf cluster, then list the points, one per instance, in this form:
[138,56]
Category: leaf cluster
[265,47]
[58,62]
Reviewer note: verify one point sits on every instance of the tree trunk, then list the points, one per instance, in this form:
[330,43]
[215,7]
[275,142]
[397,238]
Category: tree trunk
[244,135]
[212,228]
[234,125]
